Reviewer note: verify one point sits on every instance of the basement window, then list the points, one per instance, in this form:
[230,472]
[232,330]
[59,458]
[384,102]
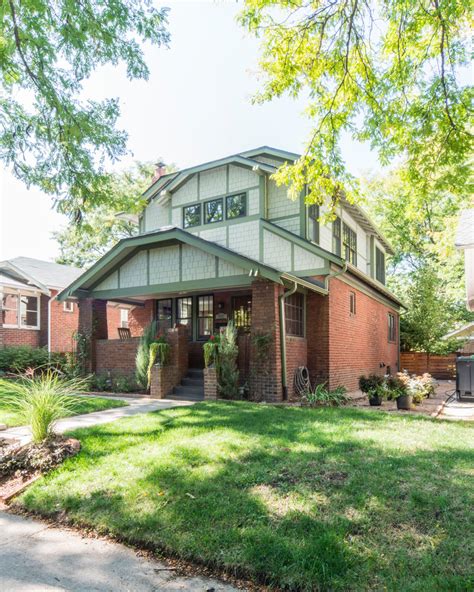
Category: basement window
[294,315]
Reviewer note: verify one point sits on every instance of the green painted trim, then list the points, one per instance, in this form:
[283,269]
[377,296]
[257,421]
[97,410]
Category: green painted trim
[227,181]
[115,268]
[198,186]
[372,256]
[170,214]
[238,220]
[311,272]
[261,196]
[227,236]
[311,247]
[180,262]
[118,277]
[147,266]
[218,196]
[269,151]
[190,285]
[303,215]
[217,266]
[260,241]
[144,219]
[292,257]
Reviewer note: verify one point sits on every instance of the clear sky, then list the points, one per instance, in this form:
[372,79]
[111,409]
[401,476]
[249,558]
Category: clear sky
[196,106]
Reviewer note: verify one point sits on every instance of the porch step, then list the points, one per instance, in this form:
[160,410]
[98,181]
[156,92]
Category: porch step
[191,387]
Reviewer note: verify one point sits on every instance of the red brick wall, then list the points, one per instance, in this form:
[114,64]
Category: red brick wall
[358,344]
[63,326]
[296,355]
[116,357]
[29,337]
[140,317]
[113,322]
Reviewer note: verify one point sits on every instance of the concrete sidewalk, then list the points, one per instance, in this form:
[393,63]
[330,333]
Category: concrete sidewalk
[35,557]
[135,406]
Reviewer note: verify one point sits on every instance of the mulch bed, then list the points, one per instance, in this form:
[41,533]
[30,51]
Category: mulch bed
[21,465]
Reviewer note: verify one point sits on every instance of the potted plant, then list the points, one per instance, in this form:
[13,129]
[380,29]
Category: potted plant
[398,390]
[372,386]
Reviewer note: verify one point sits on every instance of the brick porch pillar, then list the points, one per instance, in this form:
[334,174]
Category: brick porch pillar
[93,324]
[317,334]
[265,366]
[165,378]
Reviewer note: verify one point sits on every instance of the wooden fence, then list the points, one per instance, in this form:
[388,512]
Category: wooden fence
[442,367]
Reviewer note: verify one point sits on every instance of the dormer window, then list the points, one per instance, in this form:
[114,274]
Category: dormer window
[236,206]
[313,223]
[192,216]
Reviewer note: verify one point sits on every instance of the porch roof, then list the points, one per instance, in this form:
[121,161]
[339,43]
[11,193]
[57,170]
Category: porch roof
[168,236]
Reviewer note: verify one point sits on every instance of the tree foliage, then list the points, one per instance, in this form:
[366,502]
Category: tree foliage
[100,228]
[49,135]
[388,72]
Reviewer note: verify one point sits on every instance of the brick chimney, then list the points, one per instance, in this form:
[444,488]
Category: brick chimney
[160,170]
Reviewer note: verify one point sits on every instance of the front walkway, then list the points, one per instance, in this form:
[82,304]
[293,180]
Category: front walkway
[37,557]
[135,406]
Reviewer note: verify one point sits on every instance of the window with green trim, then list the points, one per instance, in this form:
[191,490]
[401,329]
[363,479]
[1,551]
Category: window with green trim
[336,236]
[236,206]
[164,314]
[205,316]
[392,328]
[349,241]
[214,211]
[191,216]
[379,265]
[313,223]
[294,315]
[184,313]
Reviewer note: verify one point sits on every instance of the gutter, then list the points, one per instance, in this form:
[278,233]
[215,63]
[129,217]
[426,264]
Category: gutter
[333,275]
[49,325]
[281,302]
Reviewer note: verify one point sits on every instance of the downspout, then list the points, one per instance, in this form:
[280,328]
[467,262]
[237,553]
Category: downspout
[281,302]
[333,275]
[49,326]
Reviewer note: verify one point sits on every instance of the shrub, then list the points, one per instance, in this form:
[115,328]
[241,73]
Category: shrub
[160,351]
[19,358]
[142,359]
[227,363]
[419,387]
[322,396]
[371,384]
[123,384]
[100,383]
[210,349]
[43,399]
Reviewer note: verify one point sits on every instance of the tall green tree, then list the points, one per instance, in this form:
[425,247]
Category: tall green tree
[82,245]
[388,72]
[50,136]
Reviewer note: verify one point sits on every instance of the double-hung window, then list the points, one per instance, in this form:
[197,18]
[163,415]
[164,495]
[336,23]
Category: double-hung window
[313,223]
[294,315]
[205,320]
[184,313]
[349,241]
[379,265]
[164,314]
[336,237]
[124,318]
[21,311]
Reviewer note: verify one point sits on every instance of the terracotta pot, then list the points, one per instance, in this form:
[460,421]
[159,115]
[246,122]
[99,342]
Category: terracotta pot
[405,402]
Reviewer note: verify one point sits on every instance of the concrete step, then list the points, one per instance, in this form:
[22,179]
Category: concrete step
[193,382]
[188,391]
[174,397]
[195,373]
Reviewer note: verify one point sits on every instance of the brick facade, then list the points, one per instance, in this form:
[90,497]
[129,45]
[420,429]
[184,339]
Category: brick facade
[116,357]
[164,379]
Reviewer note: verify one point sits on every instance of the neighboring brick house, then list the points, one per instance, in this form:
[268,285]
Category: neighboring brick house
[31,315]
[222,241]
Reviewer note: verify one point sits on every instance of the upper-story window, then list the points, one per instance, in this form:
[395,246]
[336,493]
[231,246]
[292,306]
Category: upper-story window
[214,211]
[379,265]
[349,240]
[236,206]
[313,223]
[192,216]
[336,236]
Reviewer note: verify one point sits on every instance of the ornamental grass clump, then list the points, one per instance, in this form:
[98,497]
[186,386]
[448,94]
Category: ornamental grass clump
[40,400]
[142,358]
[227,354]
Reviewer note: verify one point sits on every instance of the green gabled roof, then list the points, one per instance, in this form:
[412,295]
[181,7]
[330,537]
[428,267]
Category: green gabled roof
[171,235]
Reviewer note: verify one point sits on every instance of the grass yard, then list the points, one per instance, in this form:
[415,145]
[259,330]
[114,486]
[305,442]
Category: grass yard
[303,499]
[10,417]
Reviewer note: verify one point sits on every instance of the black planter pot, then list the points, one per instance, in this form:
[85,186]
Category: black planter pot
[375,401]
[405,402]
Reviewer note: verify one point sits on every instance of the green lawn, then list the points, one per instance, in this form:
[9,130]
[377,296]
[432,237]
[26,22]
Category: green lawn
[10,417]
[327,499]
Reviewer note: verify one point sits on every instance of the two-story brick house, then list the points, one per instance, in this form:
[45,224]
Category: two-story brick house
[222,241]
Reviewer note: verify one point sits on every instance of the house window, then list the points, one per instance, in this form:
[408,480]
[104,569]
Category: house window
[313,223]
[124,318]
[349,241]
[205,316]
[294,315]
[164,314]
[336,236]
[392,331]
[68,306]
[184,314]
[20,310]
[214,211]
[379,265]
[192,216]
[242,312]
[236,206]
[352,303]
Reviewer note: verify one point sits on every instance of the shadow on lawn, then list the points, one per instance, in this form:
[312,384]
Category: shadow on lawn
[298,507]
